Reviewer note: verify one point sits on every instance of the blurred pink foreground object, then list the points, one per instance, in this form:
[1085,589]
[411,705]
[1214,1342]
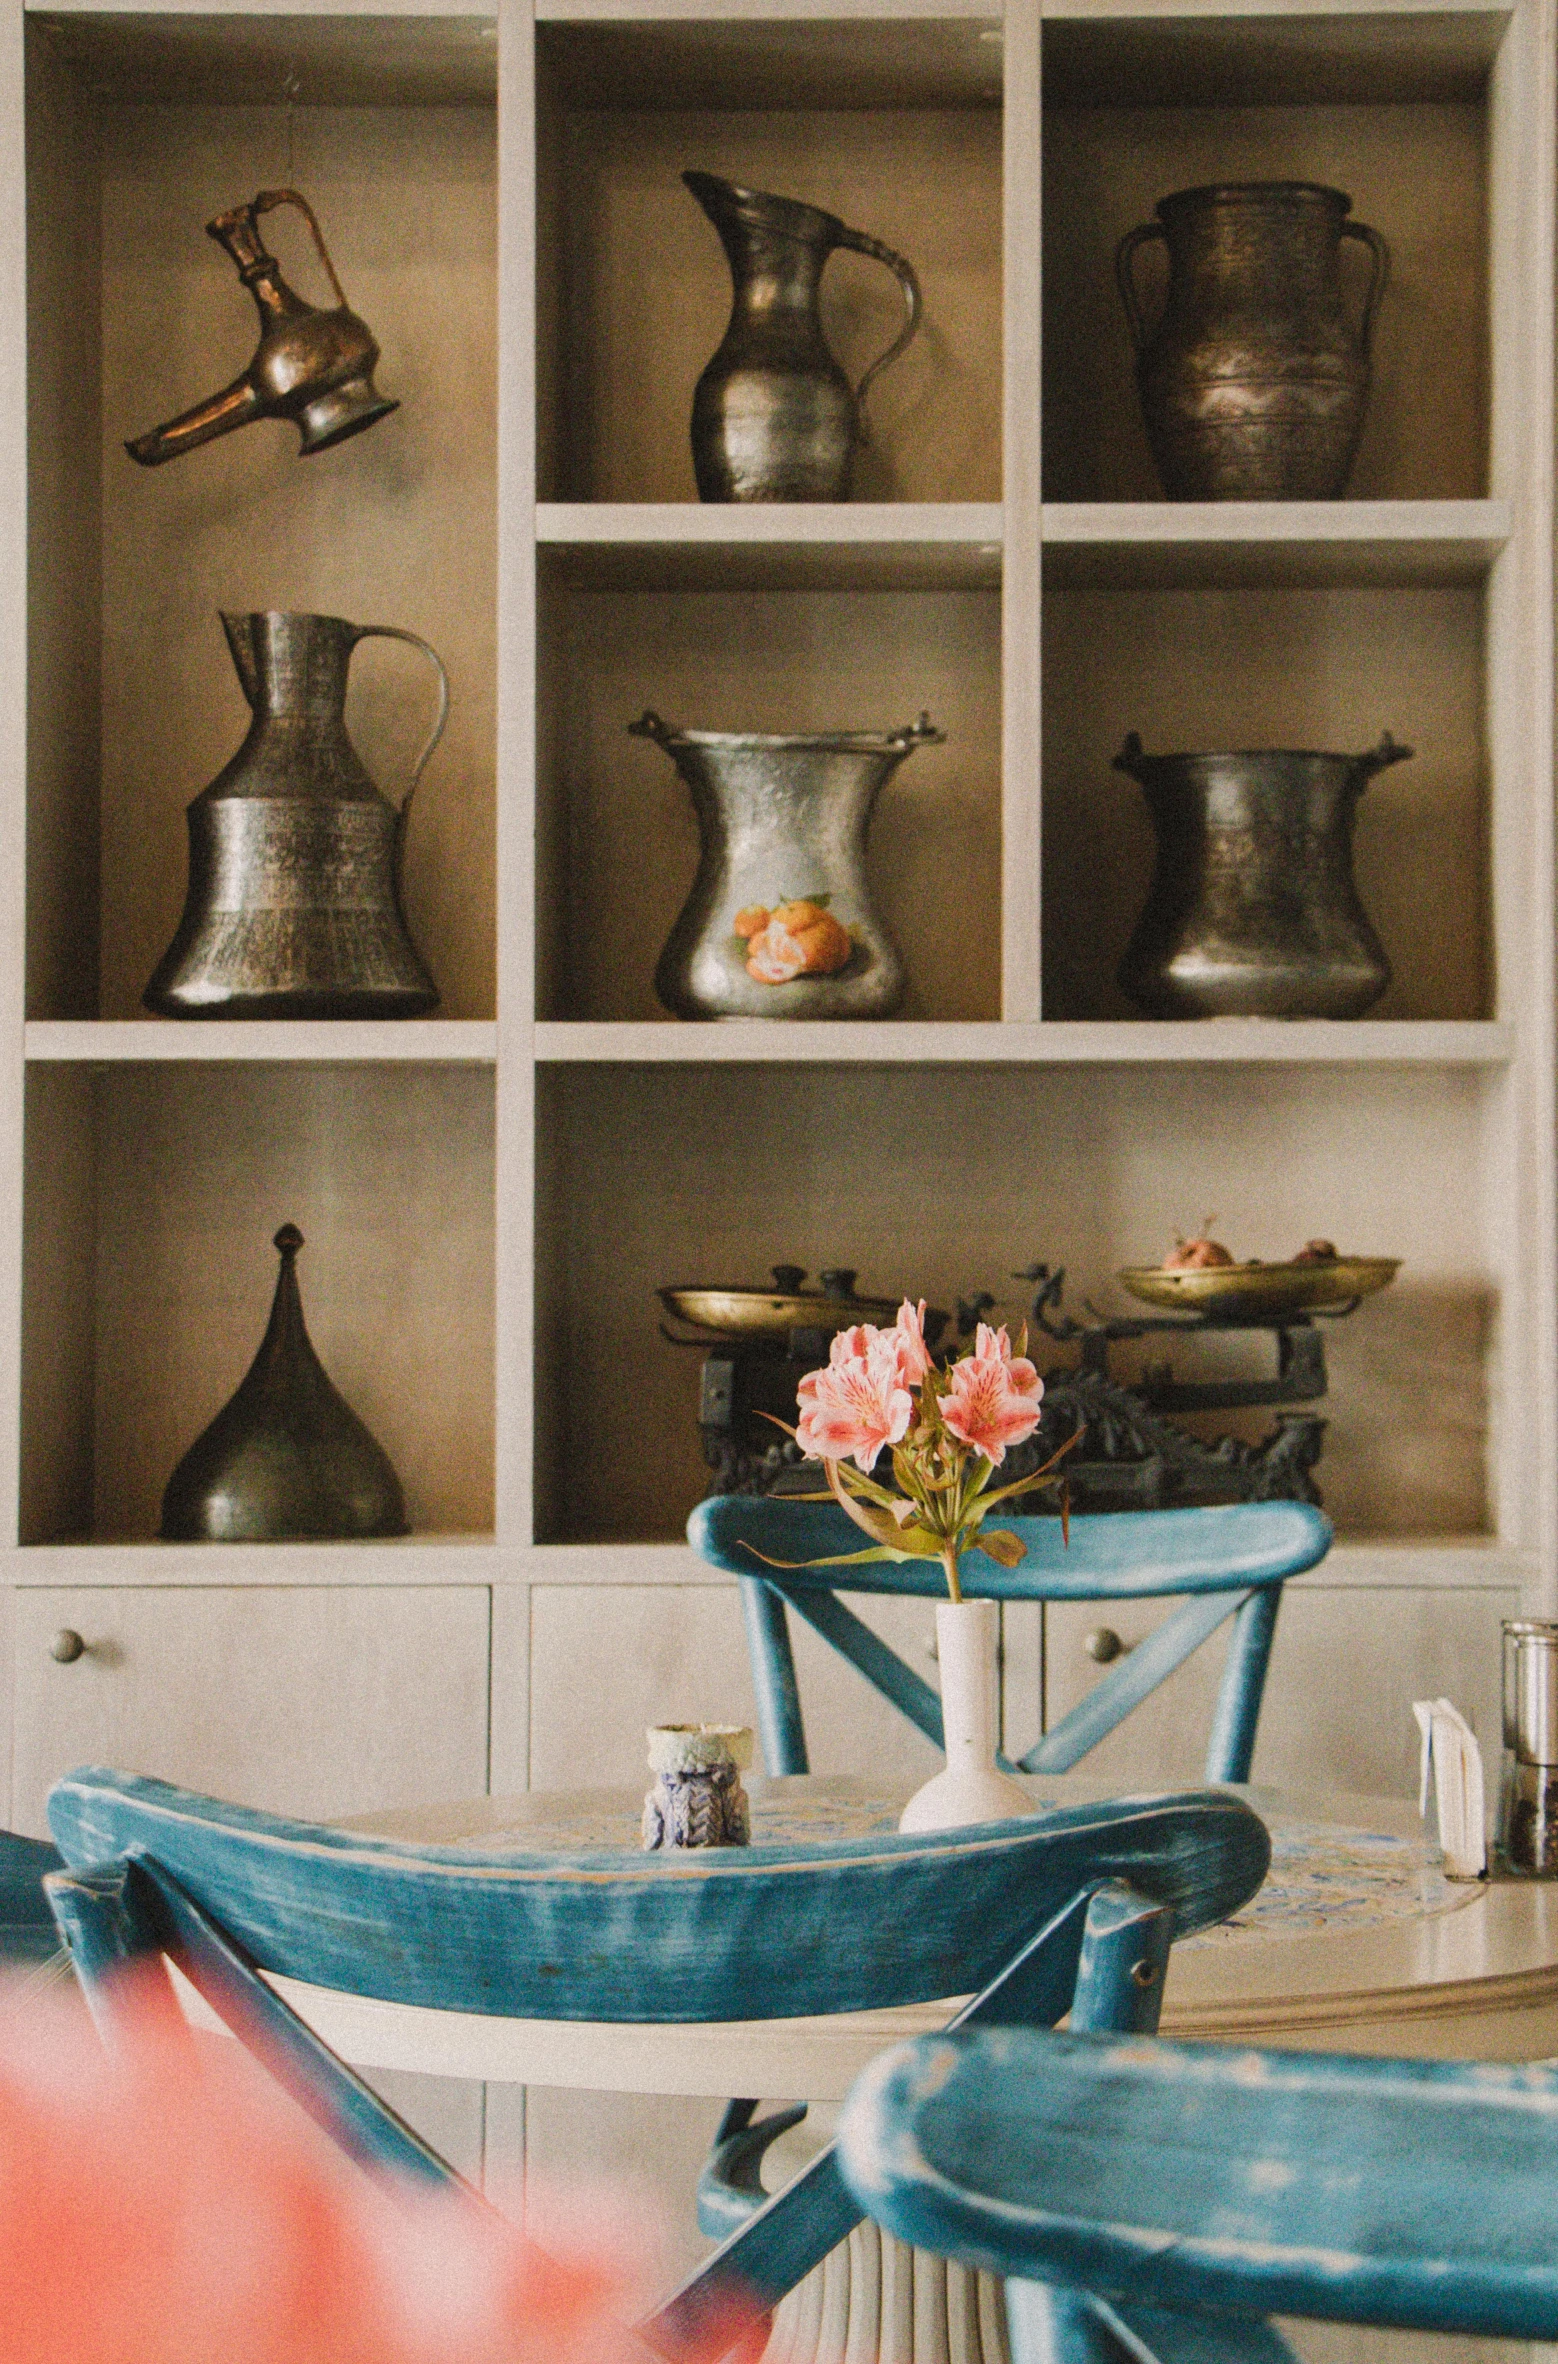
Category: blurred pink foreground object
[163,2203]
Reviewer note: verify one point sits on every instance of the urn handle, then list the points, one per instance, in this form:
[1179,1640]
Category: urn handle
[920,733]
[649,726]
[1131,756]
[861,243]
[415,640]
[1379,277]
[1380,758]
[1125,279]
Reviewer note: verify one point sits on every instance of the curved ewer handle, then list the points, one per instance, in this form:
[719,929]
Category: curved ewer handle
[1379,279]
[1125,279]
[904,273]
[269,199]
[415,640]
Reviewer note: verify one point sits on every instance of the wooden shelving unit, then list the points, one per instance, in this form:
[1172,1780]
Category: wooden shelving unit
[492,1195]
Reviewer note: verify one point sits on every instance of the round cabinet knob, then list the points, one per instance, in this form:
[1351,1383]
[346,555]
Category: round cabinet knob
[67,1646]
[1102,1644]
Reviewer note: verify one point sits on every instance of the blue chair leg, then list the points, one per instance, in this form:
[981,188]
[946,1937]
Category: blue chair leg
[1232,1744]
[779,1724]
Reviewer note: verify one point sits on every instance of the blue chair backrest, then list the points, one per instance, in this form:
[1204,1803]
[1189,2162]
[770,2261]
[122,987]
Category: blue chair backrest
[1158,2177]
[1072,1910]
[1230,1561]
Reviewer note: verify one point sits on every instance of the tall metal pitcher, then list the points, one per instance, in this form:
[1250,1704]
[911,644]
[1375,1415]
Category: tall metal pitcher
[774,417]
[294,855]
[1254,379]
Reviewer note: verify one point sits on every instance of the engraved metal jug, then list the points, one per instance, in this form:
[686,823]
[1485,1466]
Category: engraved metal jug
[1254,380]
[286,1459]
[779,922]
[311,366]
[774,418]
[1252,911]
[293,908]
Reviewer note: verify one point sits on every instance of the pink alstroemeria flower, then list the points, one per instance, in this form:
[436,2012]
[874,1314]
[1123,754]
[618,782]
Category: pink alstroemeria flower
[993,1400]
[858,1404]
[914,1357]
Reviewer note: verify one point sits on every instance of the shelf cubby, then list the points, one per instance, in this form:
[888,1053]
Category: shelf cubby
[895,125]
[1394,115]
[870,1166]
[141,129]
[618,844]
[152,1194]
[1217,667]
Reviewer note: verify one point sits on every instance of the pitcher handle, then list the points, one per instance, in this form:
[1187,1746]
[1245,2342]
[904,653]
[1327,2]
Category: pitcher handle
[269,199]
[904,273]
[1125,278]
[415,640]
[1379,277]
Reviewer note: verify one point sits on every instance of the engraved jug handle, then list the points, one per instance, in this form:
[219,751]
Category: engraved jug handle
[904,273]
[414,640]
[1125,278]
[1379,277]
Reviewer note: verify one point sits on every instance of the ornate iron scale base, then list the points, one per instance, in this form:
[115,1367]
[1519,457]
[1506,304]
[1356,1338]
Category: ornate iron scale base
[1134,1455]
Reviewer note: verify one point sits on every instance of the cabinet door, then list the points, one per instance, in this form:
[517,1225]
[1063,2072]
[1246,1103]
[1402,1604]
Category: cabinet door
[1346,1666]
[316,1701]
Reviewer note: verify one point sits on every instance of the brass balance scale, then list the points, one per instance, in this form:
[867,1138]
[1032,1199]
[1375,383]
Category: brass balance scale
[758,1344]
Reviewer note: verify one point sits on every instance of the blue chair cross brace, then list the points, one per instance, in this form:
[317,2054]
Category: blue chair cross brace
[1070,1911]
[1229,1561]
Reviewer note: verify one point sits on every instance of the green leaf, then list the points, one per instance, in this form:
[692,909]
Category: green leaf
[835,1559]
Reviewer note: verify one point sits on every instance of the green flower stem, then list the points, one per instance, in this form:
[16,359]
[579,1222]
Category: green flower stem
[949,1560]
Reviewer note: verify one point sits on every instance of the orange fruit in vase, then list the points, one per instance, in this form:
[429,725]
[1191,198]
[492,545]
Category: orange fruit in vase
[800,940]
[751,921]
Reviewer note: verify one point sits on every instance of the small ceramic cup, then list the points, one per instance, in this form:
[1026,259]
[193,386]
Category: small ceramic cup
[697,1799]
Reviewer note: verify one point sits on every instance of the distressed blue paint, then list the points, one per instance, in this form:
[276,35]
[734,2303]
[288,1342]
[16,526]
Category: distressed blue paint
[1231,1747]
[1233,1559]
[1125,1951]
[1419,2195]
[1129,1681]
[1112,1555]
[27,1931]
[779,1724]
[730,2188]
[730,1933]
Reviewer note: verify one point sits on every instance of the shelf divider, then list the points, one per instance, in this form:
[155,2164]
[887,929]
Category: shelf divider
[347,1041]
[1416,1042]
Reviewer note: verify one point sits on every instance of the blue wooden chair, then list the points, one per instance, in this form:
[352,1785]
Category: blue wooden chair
[1067,1910]
[27,1932]
[1229,1562]
[1160,2200]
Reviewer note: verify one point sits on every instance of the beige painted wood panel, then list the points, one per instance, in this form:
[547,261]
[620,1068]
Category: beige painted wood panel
[1417,173]
[608,1660]
[945,1183]
[620,843]
[1271,668]
[1346,1666]
[317,1703]
[394,527]
[644,290]
[153,1196]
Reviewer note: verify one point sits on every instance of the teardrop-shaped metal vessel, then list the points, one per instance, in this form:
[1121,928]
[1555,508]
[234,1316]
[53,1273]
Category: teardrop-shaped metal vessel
[287,1459]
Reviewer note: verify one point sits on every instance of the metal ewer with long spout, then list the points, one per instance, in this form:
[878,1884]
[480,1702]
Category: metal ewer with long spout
[311,366]
[774,418]
[294,907]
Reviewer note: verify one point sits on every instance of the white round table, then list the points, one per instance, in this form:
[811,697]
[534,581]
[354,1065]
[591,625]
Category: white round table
[1357,1942]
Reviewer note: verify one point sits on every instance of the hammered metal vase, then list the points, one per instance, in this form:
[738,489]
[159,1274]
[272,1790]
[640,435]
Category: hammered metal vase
[1252,911]
[774,418]
[293,909]
[287,1459]
[779,921]
[1254,379]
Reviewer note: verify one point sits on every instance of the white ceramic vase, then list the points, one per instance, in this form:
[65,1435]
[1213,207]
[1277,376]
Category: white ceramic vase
[970,1790]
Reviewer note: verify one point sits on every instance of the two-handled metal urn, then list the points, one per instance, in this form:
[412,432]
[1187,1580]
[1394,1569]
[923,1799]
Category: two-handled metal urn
[293,908]
[1253,378]
[1253,912]
[779,921]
